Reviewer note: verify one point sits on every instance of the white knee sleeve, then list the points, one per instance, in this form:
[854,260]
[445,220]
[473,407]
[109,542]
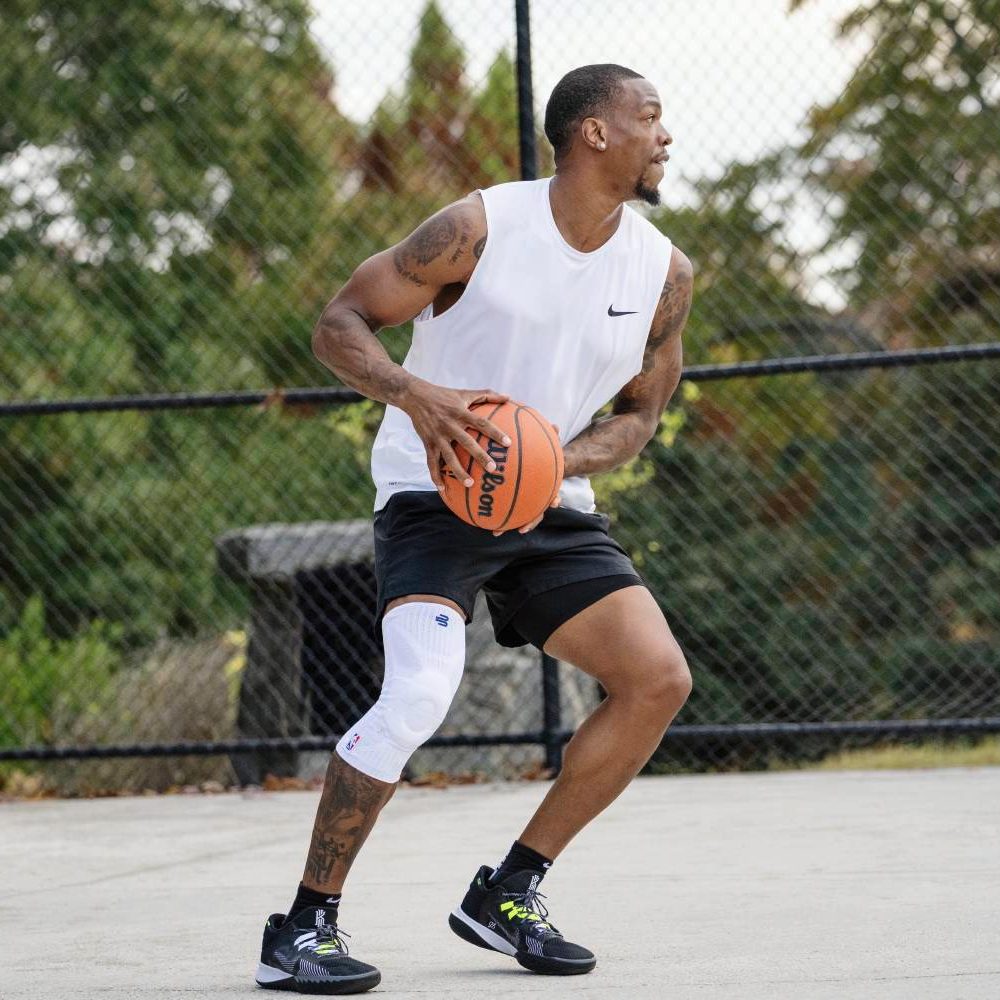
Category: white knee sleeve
[424,659]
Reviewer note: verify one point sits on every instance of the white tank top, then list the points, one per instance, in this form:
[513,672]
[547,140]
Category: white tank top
[555,328]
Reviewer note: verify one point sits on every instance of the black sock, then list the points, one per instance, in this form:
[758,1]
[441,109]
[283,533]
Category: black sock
[306,897]
[521,859]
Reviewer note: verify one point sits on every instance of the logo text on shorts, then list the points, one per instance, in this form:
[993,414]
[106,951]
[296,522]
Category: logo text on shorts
[353,741]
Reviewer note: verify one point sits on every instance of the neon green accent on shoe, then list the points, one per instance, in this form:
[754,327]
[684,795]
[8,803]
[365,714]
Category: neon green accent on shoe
[518,912]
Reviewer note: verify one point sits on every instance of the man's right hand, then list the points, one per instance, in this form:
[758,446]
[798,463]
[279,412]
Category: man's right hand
[442,418]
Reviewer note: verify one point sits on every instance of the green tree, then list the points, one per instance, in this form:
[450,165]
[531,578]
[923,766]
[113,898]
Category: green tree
[490,140]
[906,159]
[192,205]
[169,182]
[180,155]
[823,543]
[414,146]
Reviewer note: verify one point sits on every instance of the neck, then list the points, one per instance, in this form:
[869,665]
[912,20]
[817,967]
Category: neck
[585,216]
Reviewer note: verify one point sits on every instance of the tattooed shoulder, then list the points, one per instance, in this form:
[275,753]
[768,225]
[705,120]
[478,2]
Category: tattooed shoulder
[443,238]
[425,245]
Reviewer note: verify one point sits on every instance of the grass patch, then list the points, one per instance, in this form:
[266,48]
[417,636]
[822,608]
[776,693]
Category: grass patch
[966,753]
[805,755]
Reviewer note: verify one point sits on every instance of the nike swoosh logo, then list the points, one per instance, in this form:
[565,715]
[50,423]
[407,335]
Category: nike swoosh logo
[612,311]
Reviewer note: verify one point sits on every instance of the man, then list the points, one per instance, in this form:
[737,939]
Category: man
[558,295]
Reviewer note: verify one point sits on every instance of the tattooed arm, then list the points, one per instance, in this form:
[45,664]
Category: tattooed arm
[432,264]
[610,441]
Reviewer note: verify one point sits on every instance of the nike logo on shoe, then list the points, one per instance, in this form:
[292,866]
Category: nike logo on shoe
[612,311]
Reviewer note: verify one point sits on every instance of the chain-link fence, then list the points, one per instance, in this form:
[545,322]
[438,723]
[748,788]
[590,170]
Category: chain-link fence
[183,186]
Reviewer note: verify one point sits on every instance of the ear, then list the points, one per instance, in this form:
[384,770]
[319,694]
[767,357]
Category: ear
[595,133]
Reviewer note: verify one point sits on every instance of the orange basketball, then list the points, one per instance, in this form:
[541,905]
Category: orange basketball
[528,475]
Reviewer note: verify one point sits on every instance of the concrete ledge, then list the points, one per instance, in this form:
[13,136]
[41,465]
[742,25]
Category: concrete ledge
[279,551]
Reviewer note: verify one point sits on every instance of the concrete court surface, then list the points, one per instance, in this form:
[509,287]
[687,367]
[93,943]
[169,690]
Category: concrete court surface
[791,885]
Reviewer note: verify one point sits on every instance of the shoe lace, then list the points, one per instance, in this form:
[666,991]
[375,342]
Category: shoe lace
[527,906]
[329,940]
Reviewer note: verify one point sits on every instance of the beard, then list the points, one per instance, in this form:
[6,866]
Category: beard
[650,195]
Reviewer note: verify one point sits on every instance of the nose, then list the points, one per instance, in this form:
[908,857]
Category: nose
[666,138]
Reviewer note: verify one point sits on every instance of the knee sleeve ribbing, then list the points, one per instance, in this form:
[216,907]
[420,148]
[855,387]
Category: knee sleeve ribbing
[424,659]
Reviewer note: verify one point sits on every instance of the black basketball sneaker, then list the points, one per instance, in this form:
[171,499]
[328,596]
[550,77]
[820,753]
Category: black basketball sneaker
[509,917]
[308,955]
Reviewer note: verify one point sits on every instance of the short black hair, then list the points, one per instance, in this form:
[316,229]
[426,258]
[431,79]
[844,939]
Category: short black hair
[581,93]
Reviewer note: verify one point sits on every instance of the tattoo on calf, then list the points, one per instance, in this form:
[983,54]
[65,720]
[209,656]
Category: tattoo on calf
[349,806]
[479,247]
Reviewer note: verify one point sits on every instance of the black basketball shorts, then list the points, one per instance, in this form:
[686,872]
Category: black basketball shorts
[533,582]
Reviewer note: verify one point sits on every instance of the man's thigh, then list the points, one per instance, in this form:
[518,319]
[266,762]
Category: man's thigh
[622,639]
[570,549]
[425,598]
[424,553]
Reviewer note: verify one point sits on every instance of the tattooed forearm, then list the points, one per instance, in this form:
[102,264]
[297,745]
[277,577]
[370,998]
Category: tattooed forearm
[344,342]
[348,808]
[392,287]
[606,444]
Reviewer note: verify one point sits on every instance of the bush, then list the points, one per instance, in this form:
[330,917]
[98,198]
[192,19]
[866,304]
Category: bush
[179,692]
[44,679]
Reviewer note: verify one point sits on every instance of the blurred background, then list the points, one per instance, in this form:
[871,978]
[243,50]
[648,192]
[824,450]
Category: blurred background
[185,183]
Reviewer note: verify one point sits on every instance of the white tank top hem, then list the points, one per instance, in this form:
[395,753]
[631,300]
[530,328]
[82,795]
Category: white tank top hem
[553,327]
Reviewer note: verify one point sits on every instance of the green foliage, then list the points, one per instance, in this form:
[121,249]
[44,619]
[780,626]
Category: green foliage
[907,158]
[188,149]
[846,567]
[41,677]
[127,530]
[490,140]
[746,273]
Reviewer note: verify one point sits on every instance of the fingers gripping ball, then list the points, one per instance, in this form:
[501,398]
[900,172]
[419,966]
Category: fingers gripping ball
[528,472]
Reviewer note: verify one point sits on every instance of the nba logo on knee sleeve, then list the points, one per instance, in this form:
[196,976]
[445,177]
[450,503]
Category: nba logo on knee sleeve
[442,620]
[353,741]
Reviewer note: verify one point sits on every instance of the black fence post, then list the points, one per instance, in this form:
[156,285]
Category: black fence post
[551,704]
[551,713]
[525,102]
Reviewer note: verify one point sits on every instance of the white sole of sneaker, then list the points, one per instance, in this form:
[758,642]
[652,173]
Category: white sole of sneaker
[488,937]
[269,975]
[277,979]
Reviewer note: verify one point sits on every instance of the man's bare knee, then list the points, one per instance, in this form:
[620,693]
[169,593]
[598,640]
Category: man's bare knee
[666,683]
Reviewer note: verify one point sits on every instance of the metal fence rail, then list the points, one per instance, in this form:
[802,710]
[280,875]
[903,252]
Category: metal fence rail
[305,397]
